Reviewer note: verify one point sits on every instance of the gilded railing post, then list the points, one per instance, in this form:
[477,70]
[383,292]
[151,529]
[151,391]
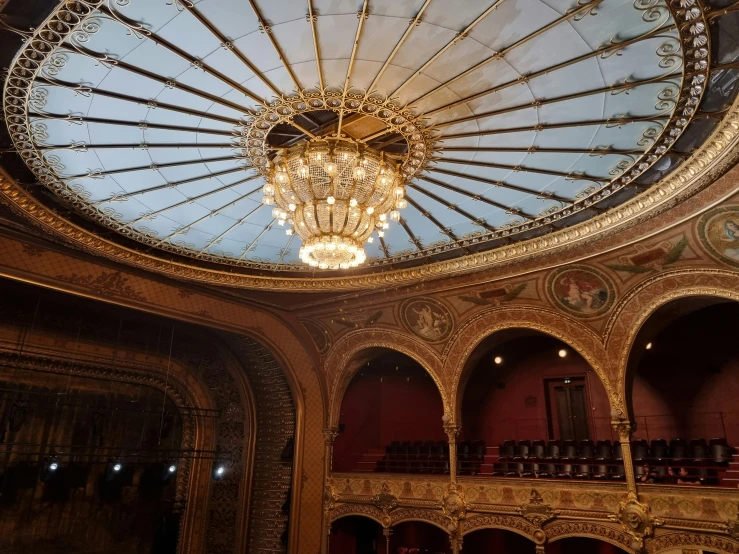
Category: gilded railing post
[452,431]
[329,435]
[624,429]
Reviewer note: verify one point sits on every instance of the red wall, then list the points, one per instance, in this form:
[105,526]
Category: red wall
[383,404]
[424,536]
[518,411]
[344,532]
[690,378]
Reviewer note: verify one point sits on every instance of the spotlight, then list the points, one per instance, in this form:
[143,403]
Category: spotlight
[114,470]
[117,467]
[219,470]
[648,346]
[172,468]
[562,353]
[498,360]
[50,470]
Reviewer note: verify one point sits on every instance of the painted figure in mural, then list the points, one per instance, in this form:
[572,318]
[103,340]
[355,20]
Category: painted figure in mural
[429,324]
[582,295]
[731,233]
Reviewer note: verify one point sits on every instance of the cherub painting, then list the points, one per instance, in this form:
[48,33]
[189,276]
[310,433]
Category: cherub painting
[427,319]
[581,290]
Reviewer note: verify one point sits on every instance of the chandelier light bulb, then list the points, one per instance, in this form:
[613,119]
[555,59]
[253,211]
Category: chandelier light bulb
[383,217]
[330,168]
[331,200]
[370,240]
[304,172]
[385,225]
[268,189]
[275,212]
[370,210]
[395,215]
[281,222]
[291,207]
[268,200]
[288,231]
[401,204]
[380,234]
[353,202]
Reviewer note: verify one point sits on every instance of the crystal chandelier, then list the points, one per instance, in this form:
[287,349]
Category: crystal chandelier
[335,193]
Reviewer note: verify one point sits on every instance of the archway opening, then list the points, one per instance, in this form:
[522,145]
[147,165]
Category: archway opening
[582,545]
[683,382]
[418,537]
[533,407]
[497,541]
[390,418]
[356,535]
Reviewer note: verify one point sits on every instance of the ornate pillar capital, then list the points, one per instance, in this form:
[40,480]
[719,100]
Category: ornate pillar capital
[330,435]
[452,430]
[623,428]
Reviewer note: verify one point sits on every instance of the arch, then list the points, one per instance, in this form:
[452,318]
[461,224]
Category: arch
[348,510]
[635,309]
[607,533]
[432,517]
[475,330]
[515,524]
[341,363]
[671,541]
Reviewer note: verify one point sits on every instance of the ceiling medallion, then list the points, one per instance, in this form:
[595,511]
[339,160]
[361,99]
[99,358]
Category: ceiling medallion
[335,193]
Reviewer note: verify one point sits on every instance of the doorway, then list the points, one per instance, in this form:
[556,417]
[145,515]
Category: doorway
[567,413]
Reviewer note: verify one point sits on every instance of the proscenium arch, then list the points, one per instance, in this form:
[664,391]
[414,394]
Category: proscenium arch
[342,365]
[634,310]
[477,329]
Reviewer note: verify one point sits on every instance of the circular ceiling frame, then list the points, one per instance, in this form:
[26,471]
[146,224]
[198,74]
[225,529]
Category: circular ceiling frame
[69,16]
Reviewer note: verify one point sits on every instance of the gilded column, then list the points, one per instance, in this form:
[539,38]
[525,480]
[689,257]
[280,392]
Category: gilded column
[455,539]
[387,531]
[452,431]
[329,497]
[624,429]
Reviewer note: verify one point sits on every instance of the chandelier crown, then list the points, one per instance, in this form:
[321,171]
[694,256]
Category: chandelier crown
[335,192]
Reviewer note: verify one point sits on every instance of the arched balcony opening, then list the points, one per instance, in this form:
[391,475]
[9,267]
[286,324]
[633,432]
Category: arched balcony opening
[418,537]
[533,407]
[582,545]
[390,419]
[497,541]
[682,383]
[356,535]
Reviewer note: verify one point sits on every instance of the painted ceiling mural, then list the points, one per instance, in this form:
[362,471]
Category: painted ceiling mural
[510,119]
[586,291]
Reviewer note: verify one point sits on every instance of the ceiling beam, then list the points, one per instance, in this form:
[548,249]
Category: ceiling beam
[312,19]
[513,168]
[231,228]
[479,221]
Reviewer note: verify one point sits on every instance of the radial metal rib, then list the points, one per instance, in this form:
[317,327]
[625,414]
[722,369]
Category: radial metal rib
[153,104]
[457,209]
[192,60]
[173,184]
[614,122]
[153,166]
[460,36]
[231,228]
[414,239]
[312,20]
[259,236]
[523,79]
[140,146]
[536,149]
[362,16]
[538,103]
[514,168]
[169,83]
[198,197]
[425,213]
[415,22]
[500,55]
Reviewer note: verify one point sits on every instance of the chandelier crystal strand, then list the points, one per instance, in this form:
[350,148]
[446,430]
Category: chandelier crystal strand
[335,193]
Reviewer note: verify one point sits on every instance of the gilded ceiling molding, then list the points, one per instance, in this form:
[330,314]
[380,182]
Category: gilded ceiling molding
[482,325]
[635,308]
[341,365]
[515,524]
[434,517]
[712,157]
[701,541]
[602,531]
[363,510]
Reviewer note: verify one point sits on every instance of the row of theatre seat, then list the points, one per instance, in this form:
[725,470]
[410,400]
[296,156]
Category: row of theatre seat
[556,459]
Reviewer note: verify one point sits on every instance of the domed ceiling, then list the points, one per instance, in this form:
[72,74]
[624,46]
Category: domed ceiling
[511,118]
